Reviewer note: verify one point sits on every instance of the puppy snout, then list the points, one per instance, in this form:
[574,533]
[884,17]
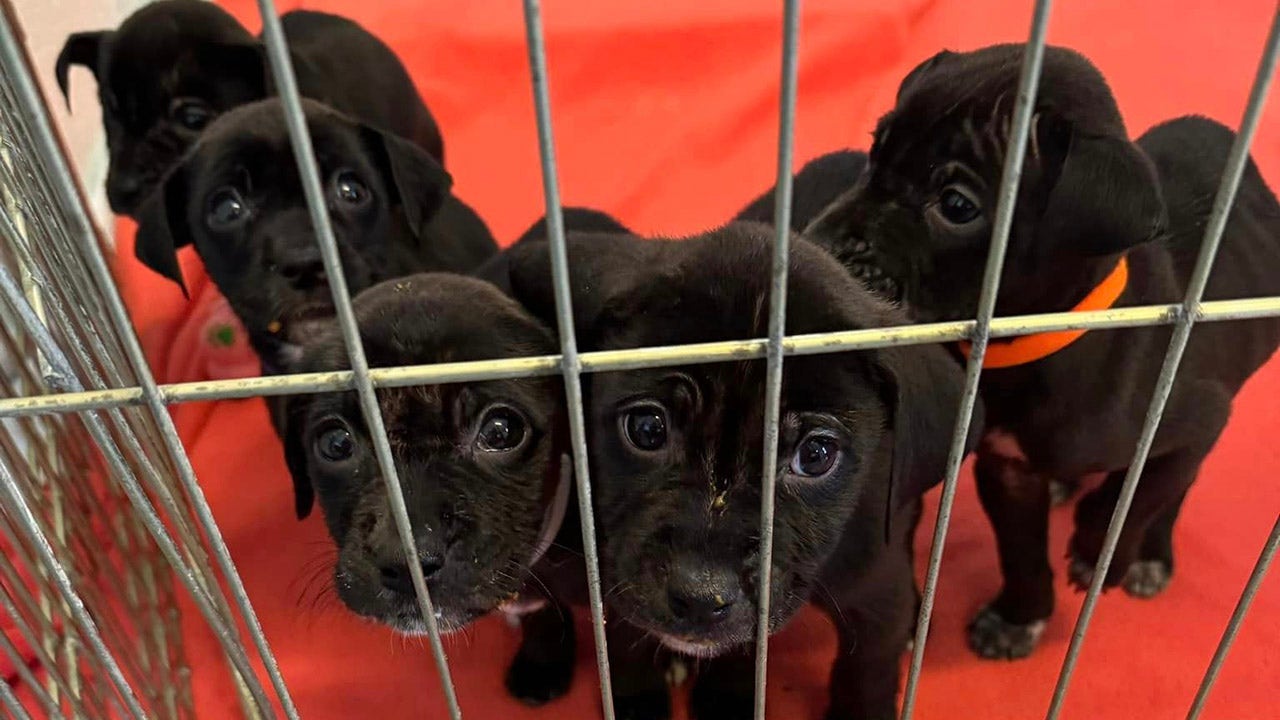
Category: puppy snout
[124,193]
[396,576]
[301,266]
[703,597]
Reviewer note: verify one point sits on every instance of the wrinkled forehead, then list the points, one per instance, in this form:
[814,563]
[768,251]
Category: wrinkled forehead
[253,141]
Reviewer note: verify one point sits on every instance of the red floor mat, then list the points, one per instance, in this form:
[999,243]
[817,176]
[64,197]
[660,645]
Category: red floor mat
[665,115]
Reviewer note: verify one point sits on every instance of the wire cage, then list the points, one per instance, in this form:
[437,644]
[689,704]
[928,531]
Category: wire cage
[102,519]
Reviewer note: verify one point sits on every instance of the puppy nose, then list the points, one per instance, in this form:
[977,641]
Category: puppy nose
[123,194]
[397,578]
[705,603]
[301,266]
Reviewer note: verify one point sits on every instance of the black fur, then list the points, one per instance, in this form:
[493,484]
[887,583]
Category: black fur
[177,61]
[1088,196]
[476,510]
[267,263]
[679,525]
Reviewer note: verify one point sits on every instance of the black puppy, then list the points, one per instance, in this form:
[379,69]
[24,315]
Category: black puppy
[175,65]
[1096,214]
[477,461]
[676,456]
[237,197]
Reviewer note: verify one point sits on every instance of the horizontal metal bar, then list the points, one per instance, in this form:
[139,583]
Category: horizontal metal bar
[632,359]
[1260,568]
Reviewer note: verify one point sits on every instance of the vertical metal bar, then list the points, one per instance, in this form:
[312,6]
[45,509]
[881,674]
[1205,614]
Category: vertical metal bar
[32,105]
[304,154]
[1237,160]
[777,330]
[570,364]
[155,526]
[1028,84]
[18,510]
[1237,619]
[10,701]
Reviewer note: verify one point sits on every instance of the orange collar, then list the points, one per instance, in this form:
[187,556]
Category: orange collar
[1030,348]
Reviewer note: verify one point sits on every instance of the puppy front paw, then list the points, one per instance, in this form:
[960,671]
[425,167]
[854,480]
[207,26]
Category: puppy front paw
[994,638]
[647,705]
[1147,578]
[536,682]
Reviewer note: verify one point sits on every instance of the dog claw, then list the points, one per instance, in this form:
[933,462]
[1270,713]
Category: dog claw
[994,638]
[1147,578]
[1080,573]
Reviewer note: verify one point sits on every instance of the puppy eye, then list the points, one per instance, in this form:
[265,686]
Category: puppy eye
[815,456]
[645,427]
[226,209]
[348,188]
[958,206]
[502,429]
[191,114]
[336,444]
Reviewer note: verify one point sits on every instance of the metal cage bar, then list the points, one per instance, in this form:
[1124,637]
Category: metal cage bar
[1265,558]
[1237,161]
[1028,83]
[777,330]
[570,362]
[308,169]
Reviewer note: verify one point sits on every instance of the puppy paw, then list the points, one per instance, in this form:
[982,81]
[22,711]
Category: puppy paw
[652,705]
[1080,572]
[537,682]
[1147,578]
[1061,492]
[994,638]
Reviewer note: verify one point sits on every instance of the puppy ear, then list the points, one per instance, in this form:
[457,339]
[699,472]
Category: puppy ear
[419,183]
[921,69]
[1106,197]
[162,227]
[289,417]
[923,386]
[600,270]
[82,48]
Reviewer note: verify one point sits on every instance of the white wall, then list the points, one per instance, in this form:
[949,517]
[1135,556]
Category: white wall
[46,25]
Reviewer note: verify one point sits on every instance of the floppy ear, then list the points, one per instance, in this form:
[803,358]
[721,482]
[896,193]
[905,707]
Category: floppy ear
[921,69]
[924,385]
[289,418]
[162,227]
[419,183]
[601,268]
[1106,198]
[82,48]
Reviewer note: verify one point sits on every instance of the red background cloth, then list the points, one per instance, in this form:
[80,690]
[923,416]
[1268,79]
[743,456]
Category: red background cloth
[666,116]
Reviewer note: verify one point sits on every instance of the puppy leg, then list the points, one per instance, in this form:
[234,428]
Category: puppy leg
[639,675]
[874,631]
[543,667]
[1062,491]
[725,688]
[1153,571]
[1017,504]
[1164,480]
